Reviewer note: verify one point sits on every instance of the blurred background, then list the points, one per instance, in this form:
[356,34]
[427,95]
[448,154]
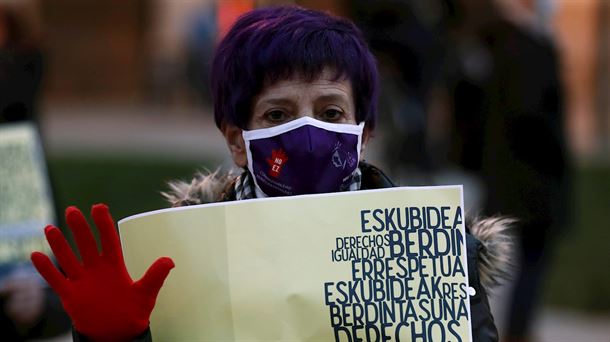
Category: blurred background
[509,97]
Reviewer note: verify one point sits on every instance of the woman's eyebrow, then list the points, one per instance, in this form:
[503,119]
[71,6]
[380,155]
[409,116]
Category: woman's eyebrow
[274,101]
[337,97]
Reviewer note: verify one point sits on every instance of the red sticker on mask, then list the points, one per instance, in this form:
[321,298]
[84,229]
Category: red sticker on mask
[276,161]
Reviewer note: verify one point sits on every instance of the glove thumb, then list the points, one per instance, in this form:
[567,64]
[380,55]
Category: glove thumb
[154,277]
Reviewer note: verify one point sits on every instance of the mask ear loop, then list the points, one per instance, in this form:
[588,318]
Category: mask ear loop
[258,191]
[360,145]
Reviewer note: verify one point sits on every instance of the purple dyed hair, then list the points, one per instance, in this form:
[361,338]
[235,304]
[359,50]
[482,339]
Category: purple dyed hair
[275,43]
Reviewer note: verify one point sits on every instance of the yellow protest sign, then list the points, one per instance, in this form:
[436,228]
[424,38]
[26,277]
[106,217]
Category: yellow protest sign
[345,266]
[26,203]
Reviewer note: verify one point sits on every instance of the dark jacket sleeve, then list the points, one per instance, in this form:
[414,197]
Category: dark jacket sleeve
[481,319]
[146,336]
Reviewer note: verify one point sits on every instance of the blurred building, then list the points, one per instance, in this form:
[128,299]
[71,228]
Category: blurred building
[96,50]
[136,52]
[583,33]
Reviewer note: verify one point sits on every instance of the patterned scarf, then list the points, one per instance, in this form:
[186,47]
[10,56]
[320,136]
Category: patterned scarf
[244,185]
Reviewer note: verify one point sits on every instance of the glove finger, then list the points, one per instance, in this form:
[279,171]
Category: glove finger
[82,235]
[50,273]
[154,277]
[111,245]
[62,251]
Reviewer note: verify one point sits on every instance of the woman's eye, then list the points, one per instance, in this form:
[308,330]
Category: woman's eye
[275,116]
[332,115]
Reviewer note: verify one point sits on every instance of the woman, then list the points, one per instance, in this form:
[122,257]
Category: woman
[295,96]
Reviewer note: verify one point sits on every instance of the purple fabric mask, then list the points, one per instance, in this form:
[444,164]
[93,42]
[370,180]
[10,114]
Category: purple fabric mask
[303,156]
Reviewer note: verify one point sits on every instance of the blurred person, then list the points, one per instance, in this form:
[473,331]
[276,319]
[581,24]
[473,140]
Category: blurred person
[410,53]
[508,113]
[20,68]
[281,76]
[28,308]
[200,40]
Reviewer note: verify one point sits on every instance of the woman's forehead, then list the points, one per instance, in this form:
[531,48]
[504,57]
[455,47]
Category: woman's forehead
[298,89]
[327,82]
[326,73]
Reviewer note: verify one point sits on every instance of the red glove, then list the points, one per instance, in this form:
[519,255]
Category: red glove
[105,304]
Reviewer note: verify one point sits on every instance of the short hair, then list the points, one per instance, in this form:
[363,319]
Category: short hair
[275,43]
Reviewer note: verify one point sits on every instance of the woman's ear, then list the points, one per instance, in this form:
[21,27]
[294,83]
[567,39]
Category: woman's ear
[235,142]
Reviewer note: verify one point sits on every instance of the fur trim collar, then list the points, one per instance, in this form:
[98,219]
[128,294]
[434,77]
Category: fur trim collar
[203,188]
[494,258]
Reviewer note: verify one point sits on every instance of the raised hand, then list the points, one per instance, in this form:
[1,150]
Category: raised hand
[103,301]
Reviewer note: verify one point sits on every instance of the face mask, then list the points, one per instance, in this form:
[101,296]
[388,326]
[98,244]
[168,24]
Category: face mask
[303,156]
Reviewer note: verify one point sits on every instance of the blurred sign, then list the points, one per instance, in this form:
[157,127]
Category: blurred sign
[25,201]
[368,265]
[228,12]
